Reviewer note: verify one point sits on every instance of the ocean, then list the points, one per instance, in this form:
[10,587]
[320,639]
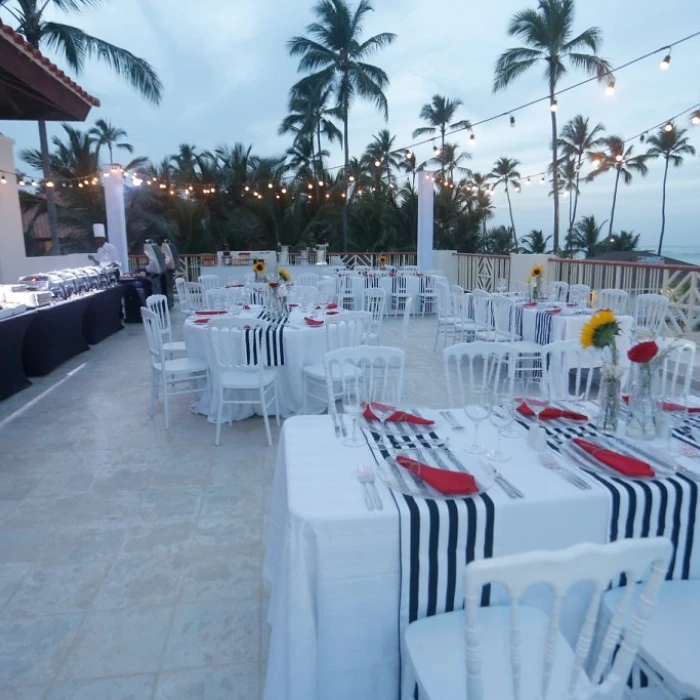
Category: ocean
[688,253]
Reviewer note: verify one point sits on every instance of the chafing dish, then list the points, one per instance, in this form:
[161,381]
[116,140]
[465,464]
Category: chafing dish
[112,272]
[47,282]
[92,275]
[69,283]
[82,279]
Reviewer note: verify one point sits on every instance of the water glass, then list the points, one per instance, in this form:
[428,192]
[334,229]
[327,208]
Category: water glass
[500,416]
[381,393]
[673,410]
[352,406]
[477,410]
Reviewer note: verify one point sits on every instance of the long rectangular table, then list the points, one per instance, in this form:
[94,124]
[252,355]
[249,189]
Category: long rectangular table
[12,333]
[343,579]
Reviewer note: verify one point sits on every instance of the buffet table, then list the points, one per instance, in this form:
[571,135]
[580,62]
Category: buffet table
[295,345]
[103,316]
[55,335]
[345,581]
[12,334]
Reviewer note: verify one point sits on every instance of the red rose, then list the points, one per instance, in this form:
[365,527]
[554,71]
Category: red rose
[643,352]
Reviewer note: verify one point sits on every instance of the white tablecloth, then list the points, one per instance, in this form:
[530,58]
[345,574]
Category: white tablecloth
[334,567]
[303,345]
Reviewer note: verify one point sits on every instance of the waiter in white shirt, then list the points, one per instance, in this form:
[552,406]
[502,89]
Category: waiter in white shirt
[106,252]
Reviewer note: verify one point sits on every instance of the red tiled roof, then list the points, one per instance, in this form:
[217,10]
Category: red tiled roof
[36,55]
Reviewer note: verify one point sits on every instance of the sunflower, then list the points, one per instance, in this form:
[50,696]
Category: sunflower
[284,274]
[536,271]
[259,266]
[382,259]
[600,331]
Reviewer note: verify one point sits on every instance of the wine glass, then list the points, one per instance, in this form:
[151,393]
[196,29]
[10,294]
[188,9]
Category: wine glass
[502,286]
[500,416]
[536,398]
[352,405]
[476,409]
[673,409]
[381,392]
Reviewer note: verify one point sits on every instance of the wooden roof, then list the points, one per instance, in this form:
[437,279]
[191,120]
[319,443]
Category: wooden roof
[32,87]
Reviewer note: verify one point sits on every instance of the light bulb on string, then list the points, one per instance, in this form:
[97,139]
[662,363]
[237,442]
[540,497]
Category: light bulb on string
[669,126]
[80,184]
[666,63]
[321,183]
[642,137]
[3,180]
[512,121]
[284,190]
[269,185]
[610,87]
[50,184]
[247,188]
[310,186]
[33,183]
[618,157]
[163,186]
[377,163]
[542,180]
[409,154]
[528,181]
[436,150]
[595,163]
[472,137]
[554,106]
[352,178]
[517,188]
[695,119]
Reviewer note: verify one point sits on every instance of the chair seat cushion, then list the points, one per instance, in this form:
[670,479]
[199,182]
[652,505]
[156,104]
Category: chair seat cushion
[183,365]
[318,372]
[247,379]
[672,639]
[436,646]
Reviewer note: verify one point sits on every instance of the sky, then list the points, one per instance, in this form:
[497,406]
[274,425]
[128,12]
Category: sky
[227,73]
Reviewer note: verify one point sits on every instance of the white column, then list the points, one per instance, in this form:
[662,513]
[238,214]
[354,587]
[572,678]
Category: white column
[113,182]
[12,252]
[426,202]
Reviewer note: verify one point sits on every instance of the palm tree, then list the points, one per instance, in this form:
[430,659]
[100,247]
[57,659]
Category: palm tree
[449,159]
[620,159]
[576,139]
[337,51]
[76,47]
[535,242]
[504,173]
[381,150]
[586,236]
[439,113]
[625,240]
[105,133]
[310,117]
[671,146]
[186,163]
[548,36]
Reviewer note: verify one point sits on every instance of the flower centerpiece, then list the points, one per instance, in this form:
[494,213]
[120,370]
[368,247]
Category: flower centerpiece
[534,279]
[640,416]
[259,269]
[278,299]
[600,332]
[382,260]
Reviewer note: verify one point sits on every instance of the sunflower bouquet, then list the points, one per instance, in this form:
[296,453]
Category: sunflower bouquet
[600,333]
[382,260]
[259,267]
[534,279]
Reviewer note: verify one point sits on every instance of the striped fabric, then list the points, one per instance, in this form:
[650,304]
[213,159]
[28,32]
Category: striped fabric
[543,327]
[517,320]
[272,343]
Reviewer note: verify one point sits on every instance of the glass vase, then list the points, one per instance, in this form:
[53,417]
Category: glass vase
[609,404]
[643,390]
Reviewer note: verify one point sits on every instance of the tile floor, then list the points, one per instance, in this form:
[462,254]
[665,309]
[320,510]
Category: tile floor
[130,557]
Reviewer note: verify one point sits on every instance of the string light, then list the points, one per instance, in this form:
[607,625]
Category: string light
[610,87]
[310,186]
[618,157]
[284,190]
[472,137]
[321,183]
[695,119]
[542,180]
[666,63]
[436,150]
[377,163]
[554,106]
[269,185]
[49,184]
[528,182]
[352,178]
[247,188]
[642,137]
[669,126]
[3,180]
[512,121]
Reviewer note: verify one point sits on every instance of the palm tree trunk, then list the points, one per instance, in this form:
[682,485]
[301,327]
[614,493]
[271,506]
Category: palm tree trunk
[663,210]
[346,149]
[576,194]
[320,157]
[50,203]
[111,155]
[512,222]
[555,171]
[612,212]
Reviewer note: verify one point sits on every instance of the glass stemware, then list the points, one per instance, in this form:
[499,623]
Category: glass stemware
[476,409]
[674,410]
[500,416]
[381,393]
[352,405]
[535,396]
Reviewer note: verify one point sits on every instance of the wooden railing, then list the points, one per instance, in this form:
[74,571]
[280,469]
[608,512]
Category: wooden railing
[482,271]
[681,283]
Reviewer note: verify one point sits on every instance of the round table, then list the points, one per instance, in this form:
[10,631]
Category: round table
[303,345]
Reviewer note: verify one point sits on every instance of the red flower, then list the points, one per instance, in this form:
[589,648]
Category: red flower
[274,285]
[643,352]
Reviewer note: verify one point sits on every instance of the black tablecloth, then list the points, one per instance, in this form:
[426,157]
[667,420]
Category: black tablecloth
[103,316]
[12,333]
[55,335]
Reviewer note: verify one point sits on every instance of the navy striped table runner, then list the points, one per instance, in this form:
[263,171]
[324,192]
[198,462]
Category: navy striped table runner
[272,342]
[543,327]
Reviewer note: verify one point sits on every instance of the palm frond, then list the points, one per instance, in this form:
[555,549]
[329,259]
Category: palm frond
[373,44]
[509,67]
[593,65]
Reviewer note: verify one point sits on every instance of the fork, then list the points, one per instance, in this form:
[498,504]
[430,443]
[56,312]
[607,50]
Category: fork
[364,479]
[369,476]
[549,461]
[454,423]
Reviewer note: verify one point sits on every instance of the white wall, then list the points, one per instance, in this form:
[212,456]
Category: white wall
[520,266]
[446,260]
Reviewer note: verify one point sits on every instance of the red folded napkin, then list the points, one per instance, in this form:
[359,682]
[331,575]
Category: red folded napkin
[398,417]
[331,306]
[449,483]
[246,307]
[292,305]
[671,406]
[332,313]
[201,320]
[629,466]
[313,322]
[551,413]
[554,311]
[210,313]
[529,304]
[570,303]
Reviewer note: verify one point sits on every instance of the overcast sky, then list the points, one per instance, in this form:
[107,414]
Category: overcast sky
[226,73]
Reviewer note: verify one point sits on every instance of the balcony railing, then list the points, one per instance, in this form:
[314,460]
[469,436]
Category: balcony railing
[482,271]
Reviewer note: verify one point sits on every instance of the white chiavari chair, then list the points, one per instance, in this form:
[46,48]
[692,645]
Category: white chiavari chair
[483,318]
[240,368]
[558,291]
[399,293]
[540,662]
[194,294]
[326,290]
[445,313]
[347,332]
[580,294]
[617,300]
[158,304]
[220,299]
[181,296]
[650,315]
[427,295]
[170,374]
[209,282]
[405,325]
[464,327]
[303,295]
[677,366]
[568,370]
[374,302]
[345,291]
[306,279]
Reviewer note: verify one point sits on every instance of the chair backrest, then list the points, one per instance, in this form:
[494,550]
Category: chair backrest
[435,273]
[374,301]
[154,337]
[560,571]
[194,293]
[361,268]
[558,291]
[380,367]
[306,279]
[650,313]
[455,288]
[677,367]
[237,345]
[181,295]
[503,314]
[221,299]
[209,281]
[427,284]
[345,332]
[326,290]
[480,364]
[562,359]
[616,300]
[303,294]
[405,322]
[579,294]
[399,284]
[481,303]
[158,304]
